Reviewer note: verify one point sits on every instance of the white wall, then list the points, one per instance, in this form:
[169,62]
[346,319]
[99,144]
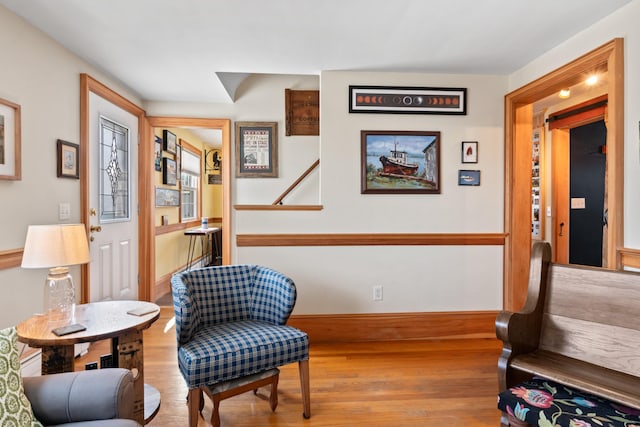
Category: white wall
[340,279]
[622,23]
[44,79]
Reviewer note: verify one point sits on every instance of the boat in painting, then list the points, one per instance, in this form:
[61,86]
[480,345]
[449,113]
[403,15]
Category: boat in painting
[397,164]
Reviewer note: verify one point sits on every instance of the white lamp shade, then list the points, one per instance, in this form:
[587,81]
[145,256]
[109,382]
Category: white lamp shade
[57,245]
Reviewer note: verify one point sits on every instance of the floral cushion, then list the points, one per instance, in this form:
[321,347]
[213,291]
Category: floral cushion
[544,403]
[15,409]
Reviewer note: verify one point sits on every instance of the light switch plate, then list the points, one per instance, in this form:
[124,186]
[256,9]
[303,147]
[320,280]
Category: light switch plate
[64,211]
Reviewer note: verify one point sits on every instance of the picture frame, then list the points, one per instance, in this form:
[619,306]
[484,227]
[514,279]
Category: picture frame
[10,144]
[179,159]
[169,171]
[169,141]
[256,149]
[67,159]
[158,154]
[469,177]
[407,100]
[469,152]
[400,162]
[167,197]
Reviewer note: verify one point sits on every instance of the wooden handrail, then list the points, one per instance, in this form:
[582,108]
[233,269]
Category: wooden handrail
[303,176]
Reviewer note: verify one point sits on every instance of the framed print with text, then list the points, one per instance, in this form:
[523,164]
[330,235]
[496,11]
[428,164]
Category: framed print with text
[256,149]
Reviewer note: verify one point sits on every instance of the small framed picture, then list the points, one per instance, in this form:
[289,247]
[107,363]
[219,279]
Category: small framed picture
[257,149]
[68,160]
[468,177]
[169,141]
[169,171]
[470,152]
[158,154]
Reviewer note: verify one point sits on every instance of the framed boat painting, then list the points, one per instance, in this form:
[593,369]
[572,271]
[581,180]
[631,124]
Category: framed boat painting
[400,162]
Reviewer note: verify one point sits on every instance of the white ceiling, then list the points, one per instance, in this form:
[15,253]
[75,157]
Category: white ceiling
[179,50]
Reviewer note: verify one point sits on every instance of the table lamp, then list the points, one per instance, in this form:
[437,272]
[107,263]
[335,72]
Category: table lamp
[56,247]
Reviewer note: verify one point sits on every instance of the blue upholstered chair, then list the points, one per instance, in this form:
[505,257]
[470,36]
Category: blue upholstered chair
[231,324]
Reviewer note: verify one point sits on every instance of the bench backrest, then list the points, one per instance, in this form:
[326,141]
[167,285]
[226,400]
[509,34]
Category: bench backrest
[593,315]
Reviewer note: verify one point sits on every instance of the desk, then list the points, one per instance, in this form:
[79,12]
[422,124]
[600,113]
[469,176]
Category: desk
[104,320]
[208,242]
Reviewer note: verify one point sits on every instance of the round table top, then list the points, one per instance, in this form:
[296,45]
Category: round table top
[105,319]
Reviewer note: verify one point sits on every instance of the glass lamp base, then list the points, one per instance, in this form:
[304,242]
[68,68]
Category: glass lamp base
[60,297]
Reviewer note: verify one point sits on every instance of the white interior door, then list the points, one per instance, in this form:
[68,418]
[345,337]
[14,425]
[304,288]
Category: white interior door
[113,200]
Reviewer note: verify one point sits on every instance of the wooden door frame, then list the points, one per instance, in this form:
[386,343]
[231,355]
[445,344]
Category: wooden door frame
[225,126]
[89,85]
[518,129]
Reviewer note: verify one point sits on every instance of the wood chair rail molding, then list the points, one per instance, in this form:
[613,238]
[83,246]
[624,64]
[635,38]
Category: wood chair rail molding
[277,207]
[11,258]
[371,239]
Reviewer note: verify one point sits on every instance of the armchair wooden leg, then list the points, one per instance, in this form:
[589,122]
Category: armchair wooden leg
[303,367]
[193,402]
[273,396]
[215,413]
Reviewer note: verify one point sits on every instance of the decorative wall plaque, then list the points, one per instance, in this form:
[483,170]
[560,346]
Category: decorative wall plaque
[302,112]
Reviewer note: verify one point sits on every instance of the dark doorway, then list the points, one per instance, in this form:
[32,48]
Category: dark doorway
[587,187]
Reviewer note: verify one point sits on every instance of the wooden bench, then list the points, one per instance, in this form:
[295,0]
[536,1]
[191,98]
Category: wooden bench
[580,327]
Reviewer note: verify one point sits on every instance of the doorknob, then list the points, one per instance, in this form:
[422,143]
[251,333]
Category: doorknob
[561,226]
[95,228]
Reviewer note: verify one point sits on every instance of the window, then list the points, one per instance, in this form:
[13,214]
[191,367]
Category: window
[190,180]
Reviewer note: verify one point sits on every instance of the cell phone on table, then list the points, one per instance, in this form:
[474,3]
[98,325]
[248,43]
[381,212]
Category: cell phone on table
[69,329]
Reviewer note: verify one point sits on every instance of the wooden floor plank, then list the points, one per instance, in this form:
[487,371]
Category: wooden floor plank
[409,383]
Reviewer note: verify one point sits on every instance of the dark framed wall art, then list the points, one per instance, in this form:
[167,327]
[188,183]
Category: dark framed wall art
[256,149]
[470,152]
[400,162]
[169,141]
[169,171]
[67,159]
[469,177]
[407,100]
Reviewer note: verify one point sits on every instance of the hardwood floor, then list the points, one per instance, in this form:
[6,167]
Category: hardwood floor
[413,383]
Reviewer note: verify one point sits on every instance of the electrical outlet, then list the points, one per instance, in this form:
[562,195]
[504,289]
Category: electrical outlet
[377,293]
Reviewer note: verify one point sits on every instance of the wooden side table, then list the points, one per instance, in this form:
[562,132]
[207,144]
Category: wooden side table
[103,320]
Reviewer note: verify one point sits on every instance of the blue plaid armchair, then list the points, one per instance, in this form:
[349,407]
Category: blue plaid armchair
[231,323]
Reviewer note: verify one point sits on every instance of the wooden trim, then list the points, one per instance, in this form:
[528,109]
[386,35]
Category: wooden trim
[166,229]
[278,207]
[11,258]
[395,239]
[609,57]
[580,114]
[162,285]
[396,326]
[560,190]
[629,257]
